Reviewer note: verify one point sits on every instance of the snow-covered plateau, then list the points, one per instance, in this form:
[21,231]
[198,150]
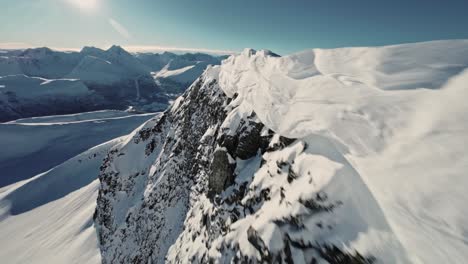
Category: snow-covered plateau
[349,155]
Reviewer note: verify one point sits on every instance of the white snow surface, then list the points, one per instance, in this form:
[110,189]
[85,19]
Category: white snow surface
[48,218]
[80,117]
[45,142]
[396,117]
[32,87]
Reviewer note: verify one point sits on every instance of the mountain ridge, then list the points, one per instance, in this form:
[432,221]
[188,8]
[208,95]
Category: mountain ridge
[115,78]
[350,155]
[301,158]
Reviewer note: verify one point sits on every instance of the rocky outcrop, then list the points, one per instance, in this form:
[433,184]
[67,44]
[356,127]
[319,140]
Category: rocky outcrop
[206,183]
[146,184]
[222,171]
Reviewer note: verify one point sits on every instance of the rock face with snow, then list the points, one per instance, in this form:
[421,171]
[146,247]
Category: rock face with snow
[155,173]
[350,155]
[197,164]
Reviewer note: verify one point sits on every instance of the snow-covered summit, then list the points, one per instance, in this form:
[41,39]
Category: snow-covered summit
[351,154]
[395,113]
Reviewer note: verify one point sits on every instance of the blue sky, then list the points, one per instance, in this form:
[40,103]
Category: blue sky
[218,25]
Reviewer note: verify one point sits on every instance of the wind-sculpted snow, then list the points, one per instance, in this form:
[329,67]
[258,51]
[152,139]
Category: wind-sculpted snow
[394,112]
[350,155]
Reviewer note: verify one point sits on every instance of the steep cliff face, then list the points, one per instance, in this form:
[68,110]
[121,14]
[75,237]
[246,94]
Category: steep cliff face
[147,182]
[314,157]
[207,181]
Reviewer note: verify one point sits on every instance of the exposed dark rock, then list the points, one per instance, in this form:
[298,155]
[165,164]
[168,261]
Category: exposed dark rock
[150,147]
[291,175]
[281,144]
[249,141]
[229,142]
[258,244]
[334,255]
[174,141]
[221,172]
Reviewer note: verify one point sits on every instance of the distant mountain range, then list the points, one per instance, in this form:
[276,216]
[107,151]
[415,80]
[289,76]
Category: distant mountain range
[41,81]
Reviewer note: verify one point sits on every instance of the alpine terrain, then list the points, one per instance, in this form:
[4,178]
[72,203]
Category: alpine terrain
[42,81]
[349,155]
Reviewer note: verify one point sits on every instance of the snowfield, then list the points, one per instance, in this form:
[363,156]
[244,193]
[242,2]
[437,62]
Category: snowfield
[47,217]
[395,115]
[48,141]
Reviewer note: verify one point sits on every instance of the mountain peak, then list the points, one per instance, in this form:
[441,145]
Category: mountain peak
[90,49]
[42,51]
[117,50]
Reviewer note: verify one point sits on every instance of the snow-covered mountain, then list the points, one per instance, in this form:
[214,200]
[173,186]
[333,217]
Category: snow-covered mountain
[352,155]
[174,73]
[42,81]
[48,184]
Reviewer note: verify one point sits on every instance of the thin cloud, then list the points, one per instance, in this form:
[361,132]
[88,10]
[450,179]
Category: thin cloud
[120,28]
[14,45]
[138,48]
[23,45]
[130,48]
[65,49]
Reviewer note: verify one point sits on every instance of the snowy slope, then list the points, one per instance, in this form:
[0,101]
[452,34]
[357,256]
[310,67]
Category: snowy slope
[48,217]
[108,67]
[86,116]
[23,96]
[174,73]
[54,140]
[351,155]
[376,108]
[25,87]
[38,62]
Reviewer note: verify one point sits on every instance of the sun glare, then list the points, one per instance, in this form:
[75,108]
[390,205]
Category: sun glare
[85,5]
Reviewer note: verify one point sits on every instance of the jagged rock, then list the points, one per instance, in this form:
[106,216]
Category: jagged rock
[257,242]
[221,172]
[281,144]
[229,142]
[249,141]
[137,228]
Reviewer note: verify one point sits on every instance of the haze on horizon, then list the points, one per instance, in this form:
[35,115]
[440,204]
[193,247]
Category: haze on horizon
[227,26]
